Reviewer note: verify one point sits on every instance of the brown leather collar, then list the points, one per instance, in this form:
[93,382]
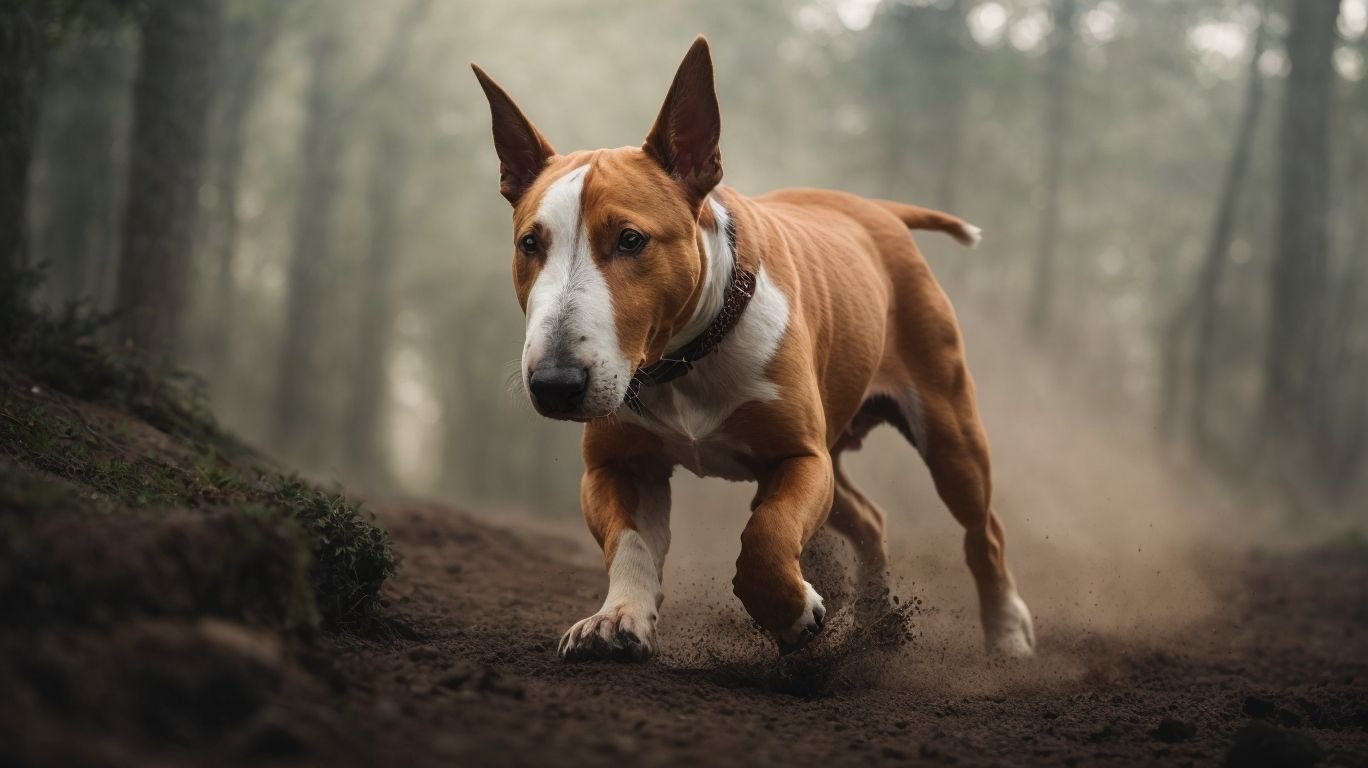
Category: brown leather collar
[673,365]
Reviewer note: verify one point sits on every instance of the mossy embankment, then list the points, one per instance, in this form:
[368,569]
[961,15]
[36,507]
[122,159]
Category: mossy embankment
[121,497]
[161,583]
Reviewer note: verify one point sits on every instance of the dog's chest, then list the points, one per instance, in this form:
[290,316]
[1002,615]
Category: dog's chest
[690,427]
[690,414]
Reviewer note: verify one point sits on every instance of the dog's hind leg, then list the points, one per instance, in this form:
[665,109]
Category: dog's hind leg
[854,516]
[925,372]
[956,451]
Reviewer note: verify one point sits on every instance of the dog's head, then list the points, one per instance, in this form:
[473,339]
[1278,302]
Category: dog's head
[607,261]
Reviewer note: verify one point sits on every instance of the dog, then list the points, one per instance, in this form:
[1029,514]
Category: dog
[747,338]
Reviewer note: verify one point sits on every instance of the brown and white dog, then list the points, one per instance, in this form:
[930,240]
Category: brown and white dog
[743,338]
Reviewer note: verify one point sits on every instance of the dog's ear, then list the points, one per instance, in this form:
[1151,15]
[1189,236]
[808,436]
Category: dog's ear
[523,151]
[685,137]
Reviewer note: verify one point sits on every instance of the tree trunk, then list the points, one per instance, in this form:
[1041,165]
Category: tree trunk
[1173,344]
[247,44]
[1297,281]
[895,115]
[1059,75]
[364,427]
[77,156]
[457,472]
[23,59]
[171,112]
[319,146]
[1347,435]
[954,125]
[473,400]
[1206,302]
[955,119]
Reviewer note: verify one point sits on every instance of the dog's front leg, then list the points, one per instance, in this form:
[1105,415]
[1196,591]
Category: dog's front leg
[792,503]
[628,511]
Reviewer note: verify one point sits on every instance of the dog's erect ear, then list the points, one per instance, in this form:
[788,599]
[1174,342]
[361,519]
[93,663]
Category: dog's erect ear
[684,139]
[523,151]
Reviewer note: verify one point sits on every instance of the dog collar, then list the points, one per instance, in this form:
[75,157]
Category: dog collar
[673,365]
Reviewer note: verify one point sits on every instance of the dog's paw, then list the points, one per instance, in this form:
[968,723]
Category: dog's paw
[809,623]
[1009,632]
[611,635]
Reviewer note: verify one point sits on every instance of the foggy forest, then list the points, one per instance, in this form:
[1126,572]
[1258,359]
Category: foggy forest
[272,230]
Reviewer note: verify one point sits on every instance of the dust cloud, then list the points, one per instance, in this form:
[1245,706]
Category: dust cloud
[1111,538]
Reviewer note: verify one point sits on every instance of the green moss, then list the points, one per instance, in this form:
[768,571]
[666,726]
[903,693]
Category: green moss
[60,443]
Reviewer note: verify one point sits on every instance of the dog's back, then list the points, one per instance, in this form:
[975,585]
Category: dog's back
[863,269]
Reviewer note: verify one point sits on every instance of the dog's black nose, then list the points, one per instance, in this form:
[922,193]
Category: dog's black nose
[559,389]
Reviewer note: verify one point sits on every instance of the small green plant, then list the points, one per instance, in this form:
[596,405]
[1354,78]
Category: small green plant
[351,556]
[1351,545]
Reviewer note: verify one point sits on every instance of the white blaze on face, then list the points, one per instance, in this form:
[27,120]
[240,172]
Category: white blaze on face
[570,309]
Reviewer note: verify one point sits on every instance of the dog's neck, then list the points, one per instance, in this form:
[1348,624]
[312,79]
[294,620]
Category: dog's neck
[726,291]
[719,257]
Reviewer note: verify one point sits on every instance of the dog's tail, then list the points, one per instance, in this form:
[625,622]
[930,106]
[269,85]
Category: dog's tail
[965,234]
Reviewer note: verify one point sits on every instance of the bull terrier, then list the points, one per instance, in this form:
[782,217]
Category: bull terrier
[747,338]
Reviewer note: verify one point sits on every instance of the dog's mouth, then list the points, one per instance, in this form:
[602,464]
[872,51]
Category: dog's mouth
[557,413]
[576,418]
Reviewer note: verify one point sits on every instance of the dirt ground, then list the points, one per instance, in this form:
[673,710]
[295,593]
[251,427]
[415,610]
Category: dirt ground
[463,672]
[458,668]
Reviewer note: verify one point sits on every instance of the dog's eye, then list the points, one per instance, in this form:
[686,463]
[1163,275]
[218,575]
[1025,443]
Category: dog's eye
[528,244]
[630,242]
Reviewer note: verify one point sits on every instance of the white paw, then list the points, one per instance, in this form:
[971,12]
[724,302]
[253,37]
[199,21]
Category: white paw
[615,634]
[1009,632]
[809,622]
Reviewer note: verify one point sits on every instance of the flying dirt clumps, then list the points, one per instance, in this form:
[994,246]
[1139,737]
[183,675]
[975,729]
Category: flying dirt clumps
[850,653]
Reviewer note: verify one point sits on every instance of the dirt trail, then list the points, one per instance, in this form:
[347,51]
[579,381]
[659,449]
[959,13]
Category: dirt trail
[459,669]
